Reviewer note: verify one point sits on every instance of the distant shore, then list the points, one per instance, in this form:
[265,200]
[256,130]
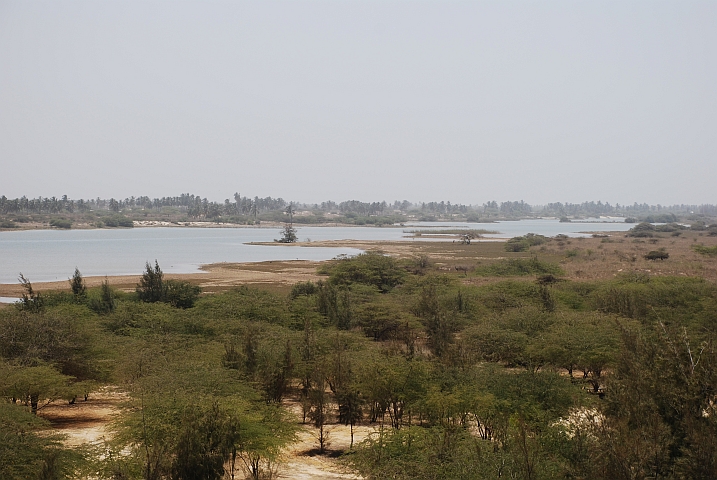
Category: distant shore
[19,226]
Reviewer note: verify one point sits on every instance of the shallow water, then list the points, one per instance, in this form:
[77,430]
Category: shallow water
[52,255]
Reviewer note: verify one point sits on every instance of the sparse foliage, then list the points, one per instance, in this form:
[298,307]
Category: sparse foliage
[288,235]
[31,301]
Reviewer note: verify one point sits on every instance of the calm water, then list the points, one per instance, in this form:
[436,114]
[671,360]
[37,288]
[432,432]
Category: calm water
[51,255]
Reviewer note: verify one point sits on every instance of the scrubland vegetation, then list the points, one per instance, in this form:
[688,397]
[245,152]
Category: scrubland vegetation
[563,358]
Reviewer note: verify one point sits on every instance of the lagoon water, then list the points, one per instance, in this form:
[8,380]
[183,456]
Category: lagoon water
[52,255]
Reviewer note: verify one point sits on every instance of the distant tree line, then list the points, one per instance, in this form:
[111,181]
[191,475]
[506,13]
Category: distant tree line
[600,208]
[198,207]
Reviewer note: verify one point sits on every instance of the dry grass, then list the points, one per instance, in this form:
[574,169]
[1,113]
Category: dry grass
[598,258]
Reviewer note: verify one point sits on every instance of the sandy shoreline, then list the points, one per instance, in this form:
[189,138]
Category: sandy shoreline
[221,276]
[216,276]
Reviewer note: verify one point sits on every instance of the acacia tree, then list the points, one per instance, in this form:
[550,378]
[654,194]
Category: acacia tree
[32,385]
[350,408]
[28,450]
[320,404]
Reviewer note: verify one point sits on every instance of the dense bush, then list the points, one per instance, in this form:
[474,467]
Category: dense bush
[370,268]
[180,294]
[118,221]
[153,288]
[518,267]
[523,243]
[60,223]
[642,230]
[670,228]
[703,250]
[660,218]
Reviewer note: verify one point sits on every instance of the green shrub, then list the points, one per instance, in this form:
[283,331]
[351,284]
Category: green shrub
[118,221]
[370,268]
[153,288]
[670,228]
[517,244]
[522,244]
[518,267]
[638,295]
[703,250]
[244,303]
[642,230]
[103,302]
[501,296]
[628,301]
[180,294]
[303,288]
[660,218]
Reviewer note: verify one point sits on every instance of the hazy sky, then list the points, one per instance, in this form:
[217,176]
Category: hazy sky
[420,100]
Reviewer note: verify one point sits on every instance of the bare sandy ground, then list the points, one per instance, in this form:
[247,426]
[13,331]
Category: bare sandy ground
[303,463]
[215,276]
[86,422]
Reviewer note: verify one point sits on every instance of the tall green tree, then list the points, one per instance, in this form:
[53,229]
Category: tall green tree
[77,285]
[151,286]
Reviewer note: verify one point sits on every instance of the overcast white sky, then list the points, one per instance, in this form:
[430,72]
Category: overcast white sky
[421,100]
